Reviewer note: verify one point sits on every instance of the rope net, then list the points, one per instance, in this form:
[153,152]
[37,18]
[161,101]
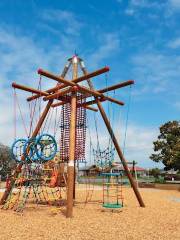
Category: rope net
[80,129]
[34,185]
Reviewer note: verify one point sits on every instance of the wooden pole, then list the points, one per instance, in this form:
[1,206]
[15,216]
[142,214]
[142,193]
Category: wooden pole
[28,89]
[56,78]
[72,142]
[94,102]
[79,88]
[75,80]
[66,68]
[118,149]
[79,79]
[58,94]
[116,86]
[84,106]
[97,94]
[90,108]
[90,75]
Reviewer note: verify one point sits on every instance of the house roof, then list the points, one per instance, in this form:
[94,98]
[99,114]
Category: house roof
[139,169]
[118,166]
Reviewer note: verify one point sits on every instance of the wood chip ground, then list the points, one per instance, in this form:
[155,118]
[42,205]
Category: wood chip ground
[159,220]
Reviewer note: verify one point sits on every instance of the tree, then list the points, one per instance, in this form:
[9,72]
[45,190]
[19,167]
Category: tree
[155,172]
[6,161]
[168,146]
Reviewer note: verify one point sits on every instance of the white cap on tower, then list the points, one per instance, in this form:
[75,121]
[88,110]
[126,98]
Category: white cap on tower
[74,59]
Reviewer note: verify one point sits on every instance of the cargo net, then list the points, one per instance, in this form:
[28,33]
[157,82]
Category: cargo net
[80,129]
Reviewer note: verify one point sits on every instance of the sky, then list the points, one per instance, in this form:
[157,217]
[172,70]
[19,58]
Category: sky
[137,39]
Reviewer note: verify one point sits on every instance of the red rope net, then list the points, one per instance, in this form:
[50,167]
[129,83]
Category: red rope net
[80,129]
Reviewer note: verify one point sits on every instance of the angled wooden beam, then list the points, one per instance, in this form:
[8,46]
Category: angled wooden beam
[94,101]
[58,104]
[29,89]
[98,94]
[114,100]
[55,77]
[66,68]
[58,94]
[76,80]
[90,75]
[83,105]
[116,86]
[113,87]
[116,144]
[90,108]
[80,88]
[121,156]
[85,90]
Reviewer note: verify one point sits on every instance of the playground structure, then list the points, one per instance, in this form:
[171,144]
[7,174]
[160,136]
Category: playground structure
[41,147]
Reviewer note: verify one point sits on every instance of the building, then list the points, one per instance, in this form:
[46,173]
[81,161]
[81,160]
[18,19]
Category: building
[139,171]
[117,167]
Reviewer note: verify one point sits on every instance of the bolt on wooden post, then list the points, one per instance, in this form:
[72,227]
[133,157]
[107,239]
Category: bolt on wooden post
[72,141]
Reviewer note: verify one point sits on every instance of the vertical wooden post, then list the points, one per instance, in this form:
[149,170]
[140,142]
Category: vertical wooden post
[61,175]
[71,163]
[75,75]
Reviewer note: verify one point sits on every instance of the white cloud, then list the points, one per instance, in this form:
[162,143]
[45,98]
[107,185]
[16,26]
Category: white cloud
[174,43]
[167,8]
[177,105]
[141,3]
[140,138]
[135,6]
[21,56]
[109,44]
[130,11]
[71,25]
[139,144]
[145,4]
[175,4]
[156,72]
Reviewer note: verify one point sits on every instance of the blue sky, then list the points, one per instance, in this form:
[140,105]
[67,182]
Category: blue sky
[138,39]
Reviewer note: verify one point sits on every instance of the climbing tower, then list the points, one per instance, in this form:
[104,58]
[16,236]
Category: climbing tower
[75,99]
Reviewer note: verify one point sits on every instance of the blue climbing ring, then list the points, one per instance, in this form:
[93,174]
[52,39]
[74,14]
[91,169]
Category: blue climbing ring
[17,156]
[30,151]
[49,148]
